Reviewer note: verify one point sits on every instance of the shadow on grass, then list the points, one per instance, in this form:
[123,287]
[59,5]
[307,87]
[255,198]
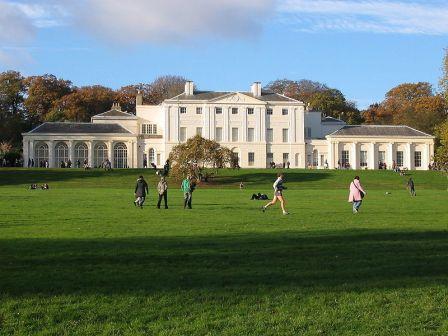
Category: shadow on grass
[353,260]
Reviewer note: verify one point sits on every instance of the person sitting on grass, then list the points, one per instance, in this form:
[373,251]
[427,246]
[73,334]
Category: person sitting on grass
[278,194]
[33,186]
[45,186]
[259,197]
[141,189]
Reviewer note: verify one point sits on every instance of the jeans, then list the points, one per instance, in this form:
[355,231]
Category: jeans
[356,205]
[165,199]
[187,200]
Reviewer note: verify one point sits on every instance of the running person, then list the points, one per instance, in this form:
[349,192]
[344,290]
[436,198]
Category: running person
[278,194]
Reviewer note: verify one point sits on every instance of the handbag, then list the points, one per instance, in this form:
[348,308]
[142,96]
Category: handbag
[360,191]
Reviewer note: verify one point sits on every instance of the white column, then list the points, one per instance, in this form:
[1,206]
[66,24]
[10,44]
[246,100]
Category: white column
[330,159]
[292,125]
[110,152]
[167,135]
[262,125]
[426,157]
[354,159]
[26,156]
[71,156]
[390,155]
[31,152]
[212,123]
[90,153]
[409,153]
[51,157]
[243,137]
[176,124]
[372,157]
[225,130]
[206,121]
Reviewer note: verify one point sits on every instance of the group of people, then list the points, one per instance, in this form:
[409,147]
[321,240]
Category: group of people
[284,165]
[44,186]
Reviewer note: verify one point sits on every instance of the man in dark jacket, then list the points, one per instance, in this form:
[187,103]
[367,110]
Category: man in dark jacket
[141,189]
[411,187]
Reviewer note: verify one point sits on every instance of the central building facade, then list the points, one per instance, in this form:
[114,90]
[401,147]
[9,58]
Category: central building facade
[260,127]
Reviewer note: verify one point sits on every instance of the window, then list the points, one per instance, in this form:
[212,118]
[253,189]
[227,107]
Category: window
[182,109]
[250,134]
[250,110]
[234,110]
[199,131]
[417,159]
[61,153]
[285,134]
[251,158]
[151,155]
[284,111]
[218,110]
[41,154]
[315,158]
[81,152]
[149,129]
[120,155]
[183,134]
[198,110]
[400,158]
[363,158]
[285,158]
[100,154]
[345,158]
[235,134]
[382,156]
[307,132]
[218,134]
[269,135]
[269,111]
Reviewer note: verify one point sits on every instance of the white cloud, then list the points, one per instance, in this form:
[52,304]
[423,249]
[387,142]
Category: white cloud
[378,16]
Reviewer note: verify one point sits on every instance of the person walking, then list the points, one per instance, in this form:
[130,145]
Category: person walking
[162,189]
[356,195]
[186,189]
[278,194]
[411,187]
[141,189]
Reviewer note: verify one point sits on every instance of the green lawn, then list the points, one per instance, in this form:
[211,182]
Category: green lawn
[80,259]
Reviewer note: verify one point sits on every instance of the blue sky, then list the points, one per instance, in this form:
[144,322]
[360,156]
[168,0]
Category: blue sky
[363,48]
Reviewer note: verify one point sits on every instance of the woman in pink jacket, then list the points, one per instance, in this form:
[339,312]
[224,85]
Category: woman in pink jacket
[356,194]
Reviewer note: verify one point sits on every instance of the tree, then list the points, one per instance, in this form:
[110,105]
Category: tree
[126,96]
[165,87]
[302,90]
[82,104]
[441,156]
[444,79]
[43,93]
[196,154]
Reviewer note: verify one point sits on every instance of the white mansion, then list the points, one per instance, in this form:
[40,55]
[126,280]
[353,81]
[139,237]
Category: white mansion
[260,127]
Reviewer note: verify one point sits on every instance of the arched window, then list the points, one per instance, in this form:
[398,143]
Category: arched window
[60,153]
[151,156]
[99,154]
[315,158]
[41,154]
[81,152]
[120,155]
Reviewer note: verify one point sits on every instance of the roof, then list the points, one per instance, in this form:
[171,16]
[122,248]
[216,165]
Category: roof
[331,119]
[209,95]
[75,128]
[379,130]
[114,113]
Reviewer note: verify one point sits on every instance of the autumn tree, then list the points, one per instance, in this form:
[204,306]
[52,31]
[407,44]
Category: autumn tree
[165,87]
[126,96]
[42,94]
[441,156]
[444,79]
[196,154]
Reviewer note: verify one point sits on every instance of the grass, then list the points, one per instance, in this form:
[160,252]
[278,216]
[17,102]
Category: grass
[79,259]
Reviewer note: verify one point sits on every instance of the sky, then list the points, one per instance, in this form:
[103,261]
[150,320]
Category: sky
[363,48]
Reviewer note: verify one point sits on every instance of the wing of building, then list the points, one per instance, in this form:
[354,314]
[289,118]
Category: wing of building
[260,127]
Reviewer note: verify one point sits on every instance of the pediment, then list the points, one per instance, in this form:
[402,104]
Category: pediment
[237,98]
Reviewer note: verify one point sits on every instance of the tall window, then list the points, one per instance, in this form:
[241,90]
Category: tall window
[120,155]
[417,159]
[149,129]
[285,134]
[61,153]
[81,152]
[151,156]
[234,134]
[363,158]
[183,134]
[269,111]
[285,111]
[182,110]
[307,132]
[269,135]
[41,154]
[234,110]
[250,134]
[250,110]
[199,131]
[251,158]
[218,134]
[269,159]
[285,158]
[99,154]
[382,156]
[218,110]
[400,158]
[198,110]
[345,158]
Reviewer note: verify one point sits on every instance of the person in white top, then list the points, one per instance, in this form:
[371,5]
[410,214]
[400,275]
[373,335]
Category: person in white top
[278,194]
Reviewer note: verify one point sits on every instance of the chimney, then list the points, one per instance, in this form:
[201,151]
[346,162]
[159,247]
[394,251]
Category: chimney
[189,88]
[139,98]
[255,89]
[116,106]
